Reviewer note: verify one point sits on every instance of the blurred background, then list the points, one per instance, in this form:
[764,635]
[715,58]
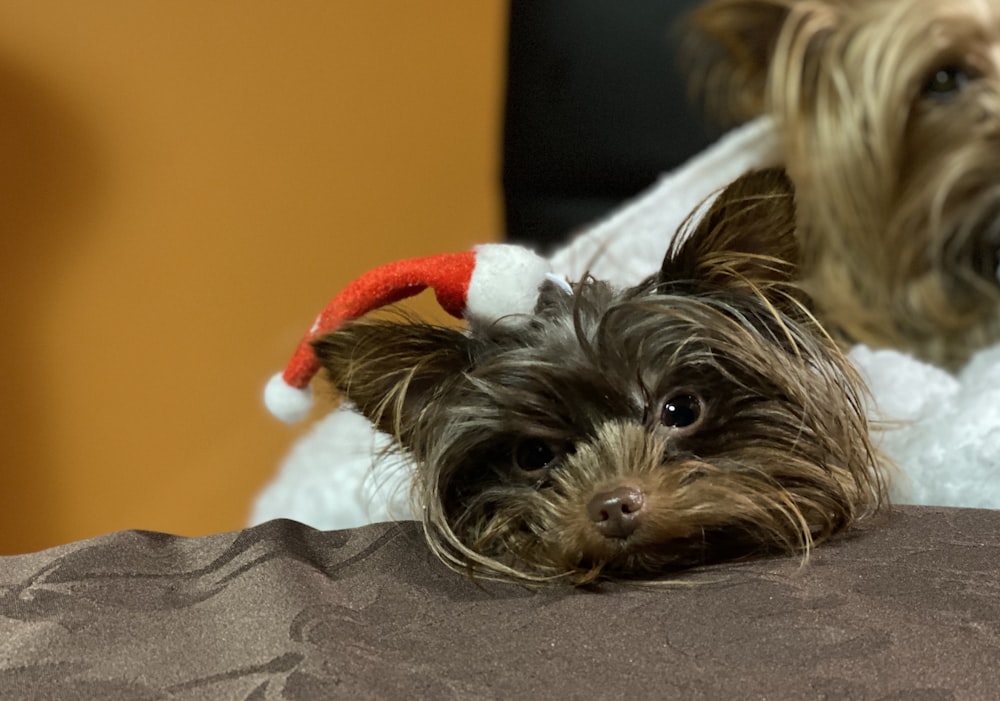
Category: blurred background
[185,184]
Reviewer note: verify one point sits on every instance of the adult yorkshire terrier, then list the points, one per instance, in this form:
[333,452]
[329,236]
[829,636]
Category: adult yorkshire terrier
[890,115]
[701,415]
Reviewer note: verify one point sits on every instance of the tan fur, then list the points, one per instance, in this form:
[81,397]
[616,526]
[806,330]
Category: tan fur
[771,453]
[898,186]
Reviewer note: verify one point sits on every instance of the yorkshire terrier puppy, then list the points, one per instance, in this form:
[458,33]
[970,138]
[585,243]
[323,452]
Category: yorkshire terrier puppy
[700,415]
[889,111]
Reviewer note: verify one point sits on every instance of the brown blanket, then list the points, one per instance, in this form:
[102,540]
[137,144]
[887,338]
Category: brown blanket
[907,609]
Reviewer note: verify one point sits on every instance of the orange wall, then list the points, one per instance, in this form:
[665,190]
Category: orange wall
[184,185]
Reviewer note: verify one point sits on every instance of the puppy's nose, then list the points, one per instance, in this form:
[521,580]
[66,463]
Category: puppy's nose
[616,513]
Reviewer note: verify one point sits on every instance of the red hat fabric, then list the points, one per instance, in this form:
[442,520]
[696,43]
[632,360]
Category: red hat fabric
[485,284]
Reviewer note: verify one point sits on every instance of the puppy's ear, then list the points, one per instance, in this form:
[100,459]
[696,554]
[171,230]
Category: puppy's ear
[749,56]
[746,240]
[391,370]
[728,49]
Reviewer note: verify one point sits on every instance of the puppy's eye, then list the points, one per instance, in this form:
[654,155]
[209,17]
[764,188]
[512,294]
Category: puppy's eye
[533,454]
[681,411]
[946,82]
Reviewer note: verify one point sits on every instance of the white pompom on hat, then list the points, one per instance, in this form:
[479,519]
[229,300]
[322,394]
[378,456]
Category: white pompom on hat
[484,284]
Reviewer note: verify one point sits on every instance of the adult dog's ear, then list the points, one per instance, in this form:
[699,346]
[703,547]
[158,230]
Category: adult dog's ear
[745,241]
[393,371]
[728,49]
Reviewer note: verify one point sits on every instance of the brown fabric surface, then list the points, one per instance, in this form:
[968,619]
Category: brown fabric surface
[907,609]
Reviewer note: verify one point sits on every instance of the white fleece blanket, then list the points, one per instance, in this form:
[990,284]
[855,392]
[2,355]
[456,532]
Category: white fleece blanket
[941,430]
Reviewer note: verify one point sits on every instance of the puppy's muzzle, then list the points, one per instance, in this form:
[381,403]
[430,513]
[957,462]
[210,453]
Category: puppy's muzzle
[616,513]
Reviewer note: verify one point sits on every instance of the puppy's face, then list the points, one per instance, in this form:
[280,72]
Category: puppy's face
[700,415]
[890,112]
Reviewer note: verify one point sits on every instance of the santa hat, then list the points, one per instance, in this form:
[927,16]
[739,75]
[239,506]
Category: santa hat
[481,285]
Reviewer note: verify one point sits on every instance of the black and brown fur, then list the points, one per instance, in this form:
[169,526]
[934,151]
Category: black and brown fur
[627,432]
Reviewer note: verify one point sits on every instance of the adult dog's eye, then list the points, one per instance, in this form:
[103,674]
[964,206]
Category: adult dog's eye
[681,411]
[946,82]
[533,454]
